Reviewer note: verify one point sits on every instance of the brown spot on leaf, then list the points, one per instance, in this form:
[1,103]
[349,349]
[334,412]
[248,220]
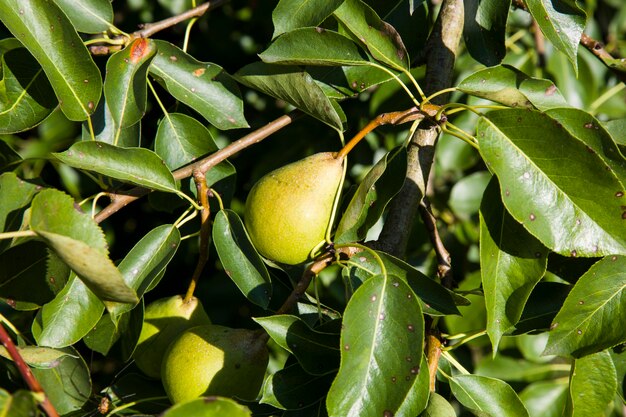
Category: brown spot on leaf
[619,194]
[551,90]
[139,49]
[199,72]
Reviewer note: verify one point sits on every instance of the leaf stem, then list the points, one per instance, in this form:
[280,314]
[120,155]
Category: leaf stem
[593,108]
[395,77]
[371,251]
[454,362]
[465,339]
[19,233]
[133,403]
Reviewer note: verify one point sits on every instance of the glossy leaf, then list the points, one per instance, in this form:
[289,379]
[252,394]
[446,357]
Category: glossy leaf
[592,386]
[208,407]
[580,209]
[379,38]
[545,398]
[292,388]
[378,373]
[181,139]
[586,322]
[125,87]
[561,22]
[106,130]
[438,407]
[88,16]
[136,166]
[317,352]
[17,195]
[22,403]
[313,46]
[26,97]
[435,299]
[380,185]
[294,14]
[512,262]
[292,85]
[485,28]
[41,25]
[241,261]
[75,390]
[204,87]
[510,86]
[37,356]
[466,194]
[487,396]
[68,317]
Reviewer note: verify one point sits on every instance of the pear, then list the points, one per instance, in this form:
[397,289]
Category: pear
[163,321]
[288,210]
[215,360]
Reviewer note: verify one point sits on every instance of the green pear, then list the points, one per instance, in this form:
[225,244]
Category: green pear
[215,360]
[288,210]
[163,321]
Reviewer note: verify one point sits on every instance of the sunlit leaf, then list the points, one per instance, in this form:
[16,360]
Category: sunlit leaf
[294,14]
[88,16]
[487,396]
[592,386]
[485,28]
[37,356]
[208,407]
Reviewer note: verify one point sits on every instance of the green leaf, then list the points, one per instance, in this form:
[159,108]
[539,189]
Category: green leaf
[88,16]
[434,299]
[204,87]
[37,356]
[292,85]
[106,130]
[208,407]
[17,194]
[586,322]
[544,302]
[592,386]
[26,97]
[487,397]
[562,23]
[68,317]
[580,209]
[292,388]
[136,166]
[510,86]
[125,87]
[8,157]
[378,375]
[545,398]
[317,352]
[466,194]
[438,407]
[485,28]
[21,404]
[380,185]
[67,385]
[377,36]
[241,261]
[313,46]
[512,262]
[294,14]
[79,242]
[41,26]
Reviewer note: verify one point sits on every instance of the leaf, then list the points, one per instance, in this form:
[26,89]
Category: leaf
[485,28]
[294,14]
[380,185]
[292,85]
[136,166]
[438,407]
[292,388]
[41,26]
[380,38]
[593,382]
[75,389]
[79,242]
[435,299]
[240,260]
[579,212]
[68,317]
[22,403]
[562,23]
[125,87]
[8,157]
[106,130]
[313,46]
[487,397]
[378,375]
[317,352]
[205,87]
[208,407]
[37,356]
[586,322]
[88,16]
[512,262]
[545,398]
[544,302]
[510,86]
[17,194]
[26,97]
[466,194]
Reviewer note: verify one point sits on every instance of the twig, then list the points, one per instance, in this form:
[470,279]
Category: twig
[119,201]
[540,45]
[433,353]
[444,261]
[26,373]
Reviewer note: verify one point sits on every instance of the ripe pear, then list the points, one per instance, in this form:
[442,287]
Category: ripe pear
[163,321]
[288,210]
[214,360]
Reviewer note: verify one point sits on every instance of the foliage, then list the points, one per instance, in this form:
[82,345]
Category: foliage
[526,197]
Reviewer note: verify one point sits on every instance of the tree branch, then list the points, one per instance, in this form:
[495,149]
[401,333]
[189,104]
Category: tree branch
[119,201]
